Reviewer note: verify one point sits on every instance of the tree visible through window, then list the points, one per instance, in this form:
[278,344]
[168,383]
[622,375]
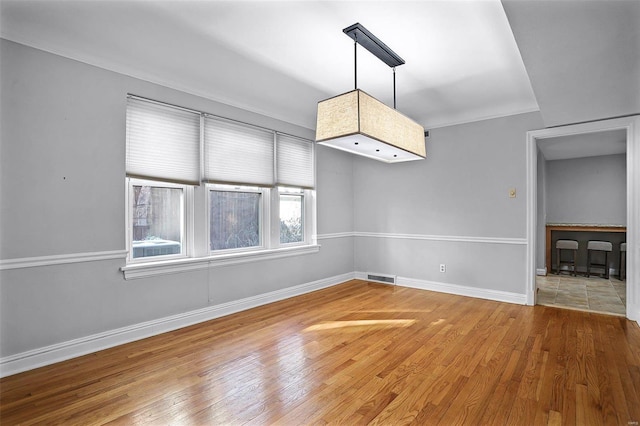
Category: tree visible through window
[291,218]
[234,220]
[157,221]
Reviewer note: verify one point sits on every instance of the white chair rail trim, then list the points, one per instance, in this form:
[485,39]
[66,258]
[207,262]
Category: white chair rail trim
[335,235]
[142,270]
[157,268]
[196,263]
[426,237]
[59,259]
[452,238]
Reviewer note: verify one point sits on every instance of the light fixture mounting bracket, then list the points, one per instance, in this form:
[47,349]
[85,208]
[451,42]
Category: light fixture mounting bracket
[364,38]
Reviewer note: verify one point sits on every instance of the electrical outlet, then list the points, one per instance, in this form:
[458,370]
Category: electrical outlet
[443,267]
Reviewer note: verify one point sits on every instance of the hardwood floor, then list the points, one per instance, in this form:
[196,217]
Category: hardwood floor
[356,353]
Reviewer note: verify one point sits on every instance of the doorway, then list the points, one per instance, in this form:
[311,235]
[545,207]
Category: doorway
[535,222]
[582,181]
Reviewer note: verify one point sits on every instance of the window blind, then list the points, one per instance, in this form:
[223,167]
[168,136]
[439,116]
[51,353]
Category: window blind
[163,142]
[295,163]
[238,153]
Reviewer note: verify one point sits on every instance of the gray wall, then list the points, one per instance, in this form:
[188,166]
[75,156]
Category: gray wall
[460,190]
[587,190]
[62,191]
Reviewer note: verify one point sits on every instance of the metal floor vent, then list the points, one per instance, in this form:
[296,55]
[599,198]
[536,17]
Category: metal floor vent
[386,279]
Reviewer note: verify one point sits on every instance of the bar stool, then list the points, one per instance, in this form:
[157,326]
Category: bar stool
[566,245]
[604,246]
[623,261]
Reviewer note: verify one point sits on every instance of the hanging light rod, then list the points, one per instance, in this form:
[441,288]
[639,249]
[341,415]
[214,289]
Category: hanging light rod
[356,122]
[364,38]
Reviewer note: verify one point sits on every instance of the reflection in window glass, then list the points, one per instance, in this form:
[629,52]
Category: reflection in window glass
[291,219]
[234,219]
[157,221]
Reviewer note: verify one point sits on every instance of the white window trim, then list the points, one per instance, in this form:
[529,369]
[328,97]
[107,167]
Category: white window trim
[307,208]
[187,220]
[196,252]
[149,269]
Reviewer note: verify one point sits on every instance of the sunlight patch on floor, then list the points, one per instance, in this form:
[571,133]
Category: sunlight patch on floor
[331,325]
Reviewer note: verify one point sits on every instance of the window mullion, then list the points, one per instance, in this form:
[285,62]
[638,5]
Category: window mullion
[274,218]
[201,227]
[189,219]
[309,217]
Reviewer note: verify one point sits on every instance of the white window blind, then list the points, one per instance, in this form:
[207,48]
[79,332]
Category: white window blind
[295,165]
[163,142]
[238,153]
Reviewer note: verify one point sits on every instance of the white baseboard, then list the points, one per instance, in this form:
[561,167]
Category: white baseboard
[47,355]
[633,313]
[460,290]
[541,271]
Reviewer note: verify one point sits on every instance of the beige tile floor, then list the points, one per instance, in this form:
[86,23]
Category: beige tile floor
[592,294]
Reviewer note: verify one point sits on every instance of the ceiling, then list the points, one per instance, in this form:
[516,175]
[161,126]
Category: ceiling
[582,56]
[280,58]
[465,60]
[595,144]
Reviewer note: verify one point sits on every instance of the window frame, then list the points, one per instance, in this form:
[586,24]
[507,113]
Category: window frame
[186,244]
[263,222]
[303,193]
[196,252]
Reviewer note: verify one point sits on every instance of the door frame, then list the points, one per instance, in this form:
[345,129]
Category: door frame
[631,125]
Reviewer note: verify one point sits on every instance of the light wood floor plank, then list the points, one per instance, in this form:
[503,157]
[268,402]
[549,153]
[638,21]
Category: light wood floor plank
[356,353]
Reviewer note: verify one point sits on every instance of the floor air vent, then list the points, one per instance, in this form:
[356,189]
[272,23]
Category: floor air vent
[386,279]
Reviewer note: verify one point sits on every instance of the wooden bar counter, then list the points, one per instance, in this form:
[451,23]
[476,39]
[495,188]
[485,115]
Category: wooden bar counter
[575,227]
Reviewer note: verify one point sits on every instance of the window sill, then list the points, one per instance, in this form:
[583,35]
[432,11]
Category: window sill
[149,269]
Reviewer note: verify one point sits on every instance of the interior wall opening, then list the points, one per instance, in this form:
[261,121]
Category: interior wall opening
[581,198]
[537,142]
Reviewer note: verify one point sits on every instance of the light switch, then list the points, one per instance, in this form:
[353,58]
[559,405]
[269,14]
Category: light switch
[512,193]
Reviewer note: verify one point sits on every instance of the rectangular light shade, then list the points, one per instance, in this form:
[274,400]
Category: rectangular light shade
[358,123]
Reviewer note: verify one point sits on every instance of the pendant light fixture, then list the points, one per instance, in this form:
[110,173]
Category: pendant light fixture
[358,123]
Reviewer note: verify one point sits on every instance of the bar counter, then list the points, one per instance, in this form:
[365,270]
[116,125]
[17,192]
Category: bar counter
[575,227]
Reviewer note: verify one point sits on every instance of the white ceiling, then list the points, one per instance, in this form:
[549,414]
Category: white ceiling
[584,145]
[582,56]
[280,58]
[465,59]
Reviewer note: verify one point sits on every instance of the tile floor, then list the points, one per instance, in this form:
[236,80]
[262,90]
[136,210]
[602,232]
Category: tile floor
[592,294]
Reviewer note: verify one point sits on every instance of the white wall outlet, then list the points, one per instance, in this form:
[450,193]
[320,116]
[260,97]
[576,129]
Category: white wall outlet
[443,267]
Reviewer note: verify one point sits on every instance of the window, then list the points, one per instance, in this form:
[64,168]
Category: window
[257,186]
[235,218]
[162,164]
[157,219]
[291,215]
